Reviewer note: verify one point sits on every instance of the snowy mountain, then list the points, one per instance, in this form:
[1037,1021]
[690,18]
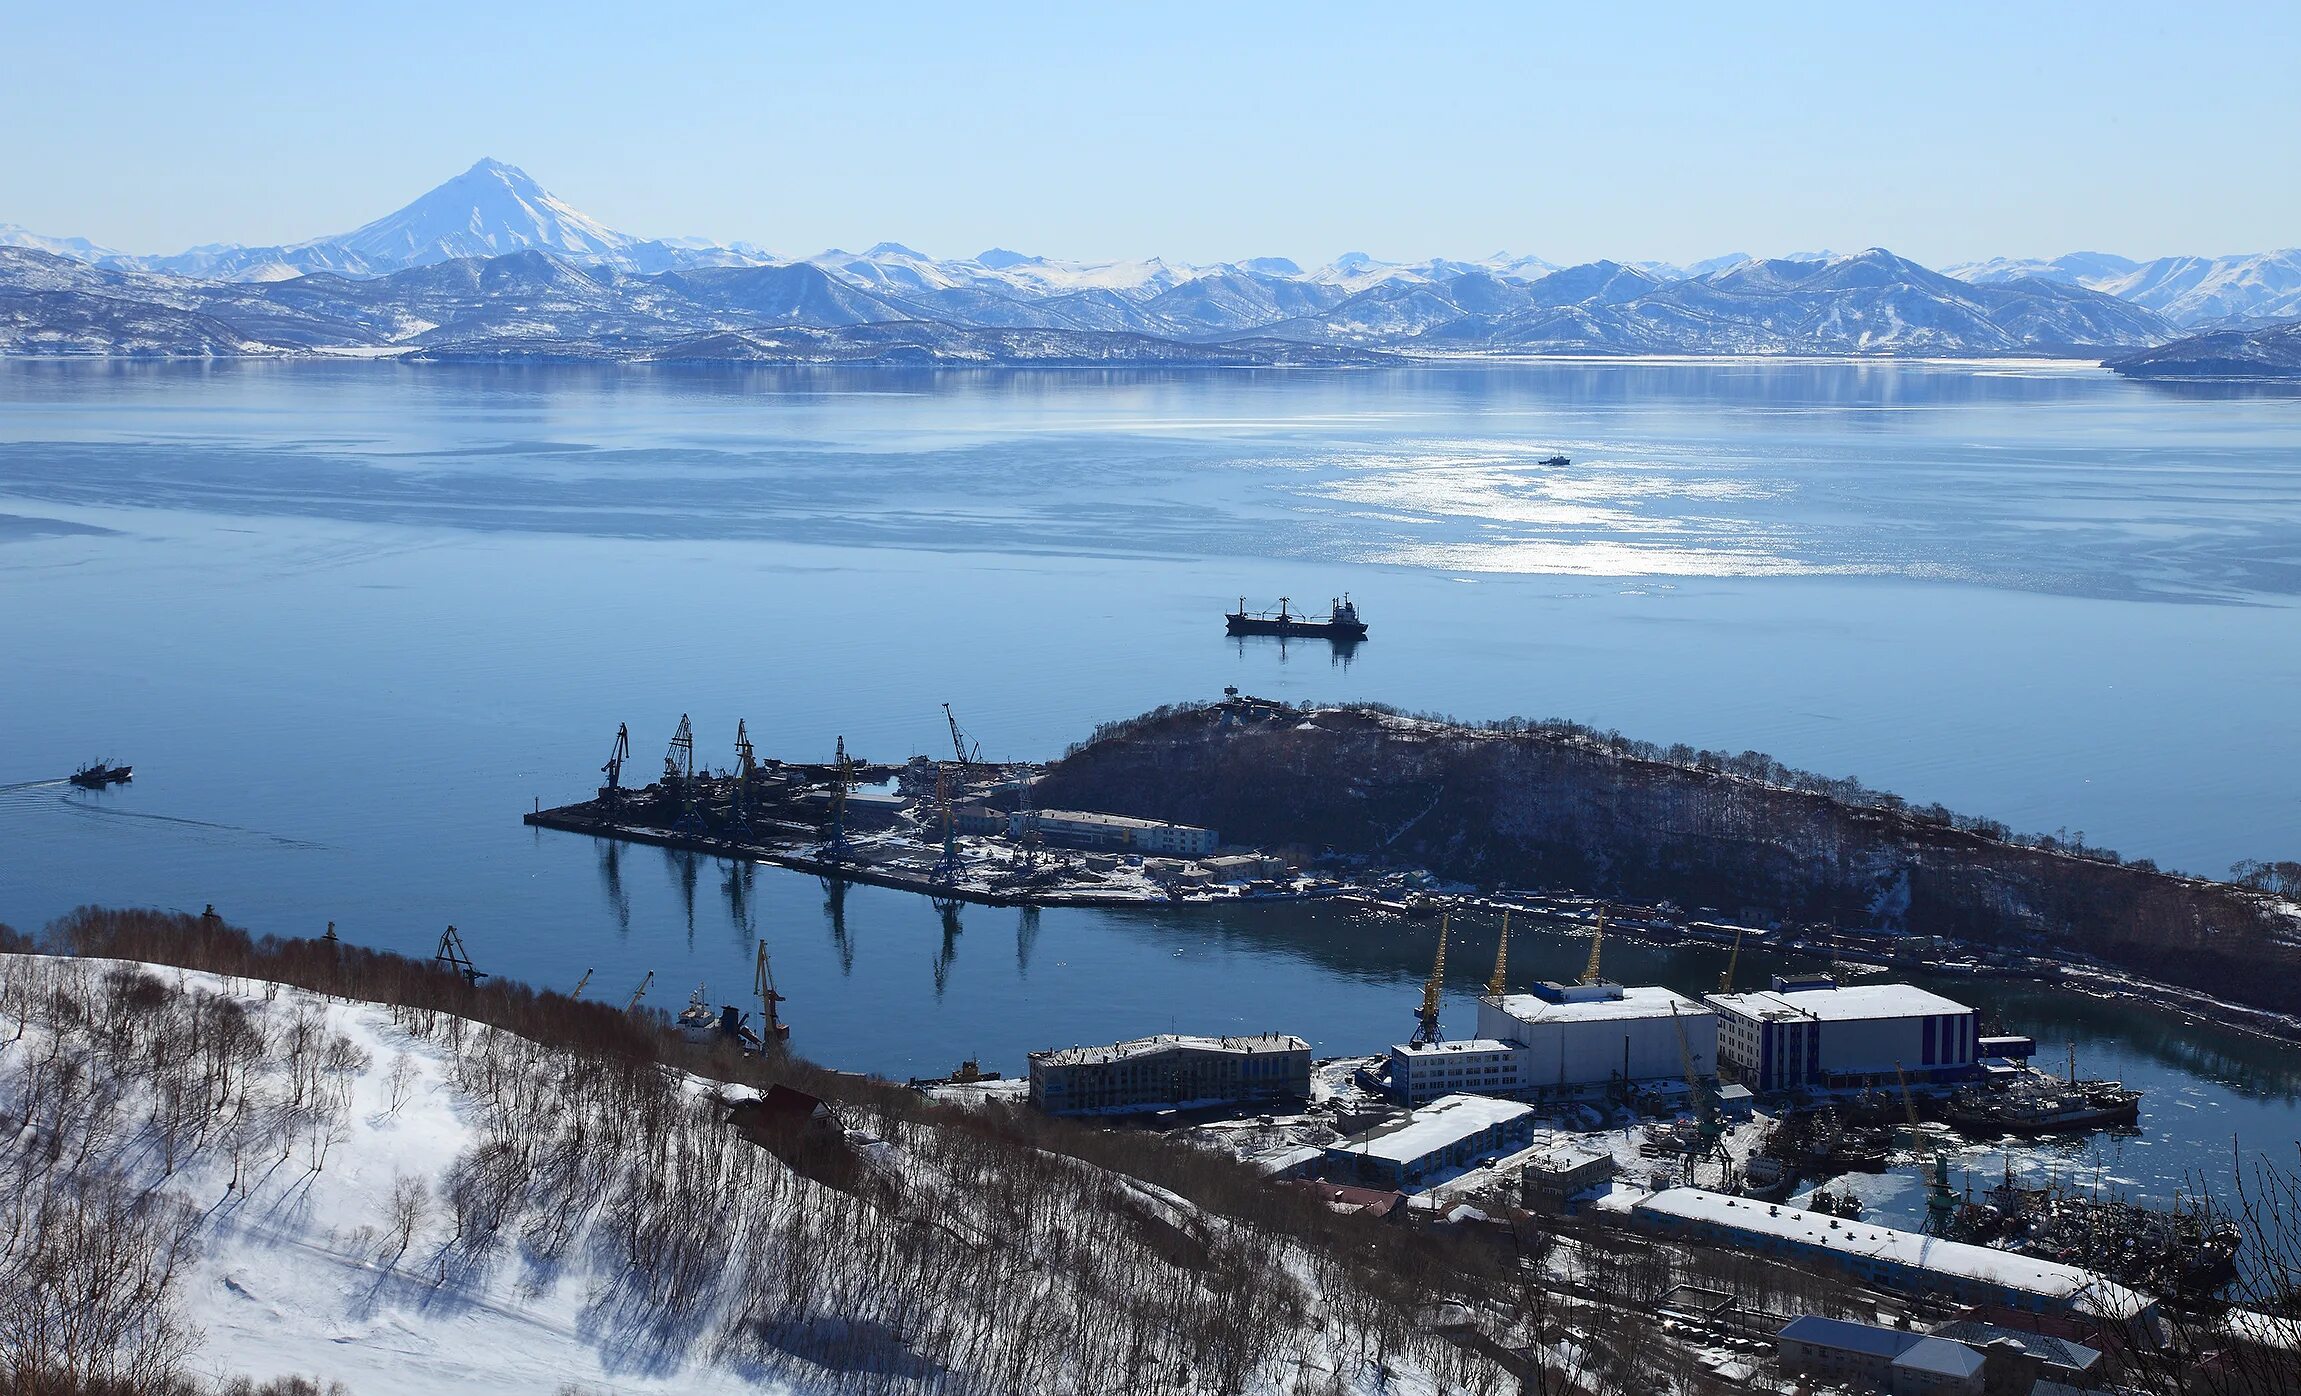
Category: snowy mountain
[525,272]
[2189,291]
[2273,351]
[489,210]
[2208,290]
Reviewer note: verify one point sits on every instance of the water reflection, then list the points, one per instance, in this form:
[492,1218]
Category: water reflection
[1339,653]
[738,884]
[685,869]
[611,883]
[947,910]
[835,916]
[1026,940]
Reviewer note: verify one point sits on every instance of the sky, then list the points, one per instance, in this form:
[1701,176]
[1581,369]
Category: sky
[1201,133]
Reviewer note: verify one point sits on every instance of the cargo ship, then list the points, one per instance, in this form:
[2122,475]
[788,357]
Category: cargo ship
[1341,621]
[96,775]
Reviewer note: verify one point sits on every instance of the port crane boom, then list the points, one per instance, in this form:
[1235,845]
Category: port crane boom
[1597,943]
[965,756]
[639,993]
[452,956]
[1426,1021]
[763,984]
[612,792]
[1726,980]
[1498,985]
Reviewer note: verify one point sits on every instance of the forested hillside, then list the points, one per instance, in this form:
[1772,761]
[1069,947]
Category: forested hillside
[1557,805]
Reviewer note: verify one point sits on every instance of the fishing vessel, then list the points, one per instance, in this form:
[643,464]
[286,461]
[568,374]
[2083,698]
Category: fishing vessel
[1341,621]
[97,774]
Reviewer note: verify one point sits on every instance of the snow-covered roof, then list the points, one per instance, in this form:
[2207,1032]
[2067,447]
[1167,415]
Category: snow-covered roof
[1151,1046]
[1636,1001]
[1102,820]
[1445,1121]
[2050,1279]
[1852,1003]
[1440,1049]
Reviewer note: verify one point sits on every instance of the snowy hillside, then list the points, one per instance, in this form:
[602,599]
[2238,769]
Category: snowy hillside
[407,1201]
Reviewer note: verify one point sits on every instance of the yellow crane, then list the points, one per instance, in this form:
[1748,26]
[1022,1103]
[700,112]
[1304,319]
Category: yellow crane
[586,979]
[1726,980]
[773,1028]
[1498,984]
[1712,1129]
[1597,943]
[1426,1022]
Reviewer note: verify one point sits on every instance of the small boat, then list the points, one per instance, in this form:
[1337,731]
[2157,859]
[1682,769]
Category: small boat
[1340,623]
[1554,460]
[96,775]
[699,1025]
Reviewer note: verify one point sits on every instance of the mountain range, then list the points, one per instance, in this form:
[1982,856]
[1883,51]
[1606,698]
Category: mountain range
[492,265]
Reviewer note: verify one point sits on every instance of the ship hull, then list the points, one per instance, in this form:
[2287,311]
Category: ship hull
[1295,627]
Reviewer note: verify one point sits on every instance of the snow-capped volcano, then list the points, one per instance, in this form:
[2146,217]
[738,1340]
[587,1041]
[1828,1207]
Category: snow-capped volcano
[490,209]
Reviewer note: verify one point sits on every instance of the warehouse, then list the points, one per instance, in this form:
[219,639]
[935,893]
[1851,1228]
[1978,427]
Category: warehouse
[1088,829]
[1575,1037]
[1807,1032]
[1453,1132]
[1877,1358]
[1170,1071]
[1883,1256]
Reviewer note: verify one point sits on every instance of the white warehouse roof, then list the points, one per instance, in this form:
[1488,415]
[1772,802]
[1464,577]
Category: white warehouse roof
[1441,1049]
[1152,1046]
[1853,1003]
[1443,1122]
[2083,1289]
[1636,1001]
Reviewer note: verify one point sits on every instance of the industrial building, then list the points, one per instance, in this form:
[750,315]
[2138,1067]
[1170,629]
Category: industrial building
[1882,1255]
[1089,829]
[1865,1356]
[1422,1072]
[1564,1041]
[1560,1171]
[1453,1132]
[1169,1072]
[1810,1032]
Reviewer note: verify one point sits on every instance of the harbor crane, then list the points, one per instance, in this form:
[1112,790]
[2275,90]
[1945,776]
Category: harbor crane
[946,869]
[679,757]
[836,848]
[679,776]
[451,956]
[611,794]
[577,992]
[1590,973]
[746,772]
[639,993]
[1940,1198]
[1711,1130]
[966,755]
[1726,979]
[763,984]
[1426,1031]
[1498,985]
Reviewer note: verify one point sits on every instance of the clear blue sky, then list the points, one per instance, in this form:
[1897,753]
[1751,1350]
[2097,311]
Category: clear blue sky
[1203,133]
